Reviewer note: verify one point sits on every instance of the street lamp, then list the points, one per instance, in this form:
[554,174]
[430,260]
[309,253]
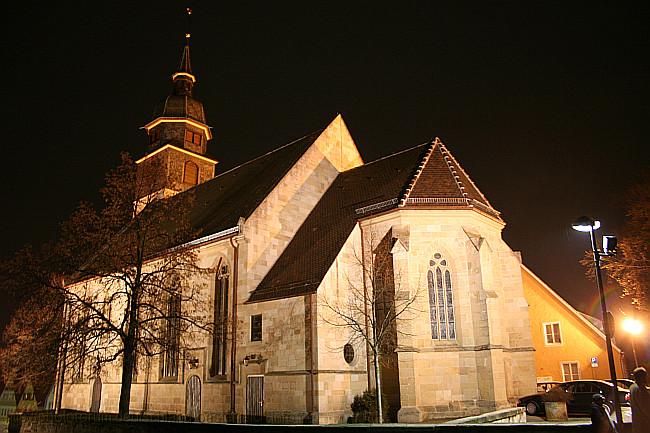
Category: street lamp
[586,224]
[634,328]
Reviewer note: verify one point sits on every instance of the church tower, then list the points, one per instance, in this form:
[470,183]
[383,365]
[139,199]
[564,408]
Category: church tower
[179,135]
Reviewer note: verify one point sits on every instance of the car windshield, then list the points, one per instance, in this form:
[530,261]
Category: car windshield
[624,383]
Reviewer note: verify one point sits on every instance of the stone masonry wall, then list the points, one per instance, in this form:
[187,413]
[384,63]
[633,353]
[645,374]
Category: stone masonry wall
[472,373]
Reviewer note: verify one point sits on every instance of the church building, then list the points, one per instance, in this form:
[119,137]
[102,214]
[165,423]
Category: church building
[288,235]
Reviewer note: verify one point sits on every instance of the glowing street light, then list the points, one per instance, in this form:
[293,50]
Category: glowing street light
[634,327]
[589,225]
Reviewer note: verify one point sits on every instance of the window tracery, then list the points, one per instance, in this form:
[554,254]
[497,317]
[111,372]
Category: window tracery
[441,299]
[220,318]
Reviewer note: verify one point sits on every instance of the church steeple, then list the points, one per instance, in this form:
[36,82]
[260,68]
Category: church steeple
[183,78]
[178,133]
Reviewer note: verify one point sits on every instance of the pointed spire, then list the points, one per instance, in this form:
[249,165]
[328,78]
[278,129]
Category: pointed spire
[183,78]
[185,65]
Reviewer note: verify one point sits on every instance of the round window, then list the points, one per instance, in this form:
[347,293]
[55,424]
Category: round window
[348,353]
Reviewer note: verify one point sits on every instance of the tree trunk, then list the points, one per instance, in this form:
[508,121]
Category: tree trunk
[127,379]
[380,415]
[128,359]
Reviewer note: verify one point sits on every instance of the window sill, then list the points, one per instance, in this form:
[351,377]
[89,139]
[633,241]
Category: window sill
[171,379]
[221,378]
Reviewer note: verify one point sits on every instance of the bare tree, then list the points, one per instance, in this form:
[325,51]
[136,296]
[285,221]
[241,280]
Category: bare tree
[127,277]
[631,266]
[375,305]
[30,342]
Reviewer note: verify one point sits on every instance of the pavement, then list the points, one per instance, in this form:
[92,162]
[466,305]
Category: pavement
[626,412]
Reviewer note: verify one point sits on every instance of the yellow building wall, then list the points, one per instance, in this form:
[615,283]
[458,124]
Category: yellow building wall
[580,341]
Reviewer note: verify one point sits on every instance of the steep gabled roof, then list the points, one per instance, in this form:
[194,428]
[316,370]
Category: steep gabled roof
[585,319]
[358,192]
[219,203]
[426,175]
[440,181]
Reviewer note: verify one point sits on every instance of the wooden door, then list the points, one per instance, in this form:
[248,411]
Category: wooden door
[193,398]
[255,399]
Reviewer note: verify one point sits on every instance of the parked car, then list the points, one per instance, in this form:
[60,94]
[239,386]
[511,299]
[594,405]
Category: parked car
[545,386]
[579,398]
[625,383]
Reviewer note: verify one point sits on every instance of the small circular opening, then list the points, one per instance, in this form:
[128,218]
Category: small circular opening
[348,353]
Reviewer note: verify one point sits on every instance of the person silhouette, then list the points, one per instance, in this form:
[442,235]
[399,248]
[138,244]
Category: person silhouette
[640,401]
[600,421]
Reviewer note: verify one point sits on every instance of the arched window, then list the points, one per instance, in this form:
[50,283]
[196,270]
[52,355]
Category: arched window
[220,317]
[441,300]
[191,173]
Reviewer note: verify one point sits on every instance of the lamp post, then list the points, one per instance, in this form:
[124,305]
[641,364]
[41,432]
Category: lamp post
[634,328]
[586,224]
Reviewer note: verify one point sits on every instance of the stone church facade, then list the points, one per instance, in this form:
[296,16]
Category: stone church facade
[284,233]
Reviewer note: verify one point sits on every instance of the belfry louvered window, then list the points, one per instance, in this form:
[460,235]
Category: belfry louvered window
[191,173]
[441,300]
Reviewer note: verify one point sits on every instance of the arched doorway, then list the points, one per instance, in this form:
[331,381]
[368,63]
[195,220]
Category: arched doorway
[193,398]
[97,395]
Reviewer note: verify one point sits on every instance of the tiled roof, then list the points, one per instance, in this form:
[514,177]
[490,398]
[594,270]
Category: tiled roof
[219,203]
[373,187]
[426,175]
[440,181]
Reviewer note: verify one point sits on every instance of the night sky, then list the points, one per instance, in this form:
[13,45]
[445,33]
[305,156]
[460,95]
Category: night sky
[545,105]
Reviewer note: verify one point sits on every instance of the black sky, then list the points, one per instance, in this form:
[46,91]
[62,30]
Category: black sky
[544,104]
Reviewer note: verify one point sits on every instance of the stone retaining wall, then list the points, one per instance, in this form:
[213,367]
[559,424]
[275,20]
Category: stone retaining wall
[104,423]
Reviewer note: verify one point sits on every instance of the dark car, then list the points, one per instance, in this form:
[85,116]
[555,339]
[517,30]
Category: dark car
[624,383]
[578,398]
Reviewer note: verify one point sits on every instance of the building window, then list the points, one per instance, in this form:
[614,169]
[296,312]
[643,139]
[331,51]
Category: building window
[348,353]
[78,362]
[192,137]
[220,318]
[171,337]
[191,173]
[256,327]
[552,334]
[570,371]
[441,300]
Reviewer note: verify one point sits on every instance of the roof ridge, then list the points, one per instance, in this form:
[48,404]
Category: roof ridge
[385,157]
[416,175]
[268,153]
[447,152]
[446,155]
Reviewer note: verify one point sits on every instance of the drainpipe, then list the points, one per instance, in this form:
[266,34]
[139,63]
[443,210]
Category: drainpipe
[233,351]
[365,304]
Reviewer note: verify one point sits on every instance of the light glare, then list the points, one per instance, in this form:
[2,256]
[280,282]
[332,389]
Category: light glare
[633,326]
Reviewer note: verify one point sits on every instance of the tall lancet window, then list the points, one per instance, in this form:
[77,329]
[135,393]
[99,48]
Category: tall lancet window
[220,317]
[171,337]
[441,300]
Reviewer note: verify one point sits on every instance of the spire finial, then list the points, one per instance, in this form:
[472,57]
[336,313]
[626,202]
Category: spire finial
[188,11]
[185,68]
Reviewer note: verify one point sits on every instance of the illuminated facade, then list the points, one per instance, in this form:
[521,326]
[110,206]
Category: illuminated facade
[284,233]
[568,344]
